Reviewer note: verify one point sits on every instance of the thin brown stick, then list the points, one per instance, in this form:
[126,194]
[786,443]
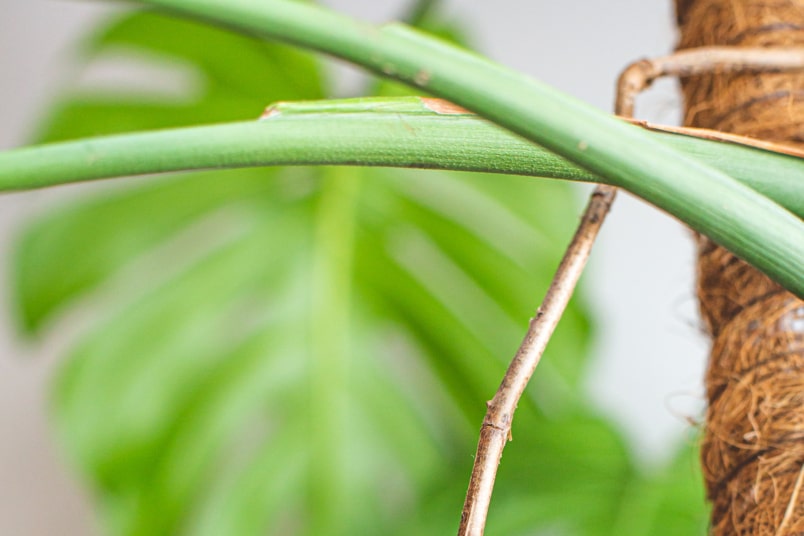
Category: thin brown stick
[496,428]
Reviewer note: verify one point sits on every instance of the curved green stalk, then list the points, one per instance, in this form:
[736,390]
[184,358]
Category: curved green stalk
[392,132]
[736,217]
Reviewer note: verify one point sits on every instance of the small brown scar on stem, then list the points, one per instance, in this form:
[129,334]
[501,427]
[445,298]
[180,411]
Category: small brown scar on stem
[443,107]
[422,77]
[270,111]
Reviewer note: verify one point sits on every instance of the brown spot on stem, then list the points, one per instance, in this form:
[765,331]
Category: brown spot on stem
[441,106]
[421,78]
[271,111]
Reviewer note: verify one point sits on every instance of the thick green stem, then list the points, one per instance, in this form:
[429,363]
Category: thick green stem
[748,224]
[398,132]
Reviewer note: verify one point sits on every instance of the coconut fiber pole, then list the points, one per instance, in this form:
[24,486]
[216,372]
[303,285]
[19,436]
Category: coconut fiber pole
[753,448]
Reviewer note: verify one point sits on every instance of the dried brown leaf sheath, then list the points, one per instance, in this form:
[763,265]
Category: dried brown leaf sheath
[753,449]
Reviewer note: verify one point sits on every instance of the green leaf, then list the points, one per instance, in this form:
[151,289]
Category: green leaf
[317,362]
[205,354]
[71,251]
[176,400]
[262,73]
[664,501]
[265,71]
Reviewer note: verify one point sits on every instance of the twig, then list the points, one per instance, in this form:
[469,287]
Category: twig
[496,428]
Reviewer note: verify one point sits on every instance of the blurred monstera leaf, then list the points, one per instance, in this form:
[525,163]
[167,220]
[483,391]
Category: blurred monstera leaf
[306,351]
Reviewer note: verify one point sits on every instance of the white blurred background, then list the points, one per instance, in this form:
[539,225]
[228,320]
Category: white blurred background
[649,354]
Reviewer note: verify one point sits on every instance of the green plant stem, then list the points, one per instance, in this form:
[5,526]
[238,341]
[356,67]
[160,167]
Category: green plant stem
[398,132]
[738,218]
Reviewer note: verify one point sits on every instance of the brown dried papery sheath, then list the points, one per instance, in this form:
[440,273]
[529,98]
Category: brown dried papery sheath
[753,448]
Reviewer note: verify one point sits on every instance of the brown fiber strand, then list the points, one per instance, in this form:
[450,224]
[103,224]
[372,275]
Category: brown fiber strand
[753,447]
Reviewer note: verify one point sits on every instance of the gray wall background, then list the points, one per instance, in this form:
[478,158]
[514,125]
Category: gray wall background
[649,355]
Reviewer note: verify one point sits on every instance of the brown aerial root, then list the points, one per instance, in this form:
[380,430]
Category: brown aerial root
[753,449]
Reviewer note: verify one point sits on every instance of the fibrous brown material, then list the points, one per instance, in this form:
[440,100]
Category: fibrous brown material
[753,448]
